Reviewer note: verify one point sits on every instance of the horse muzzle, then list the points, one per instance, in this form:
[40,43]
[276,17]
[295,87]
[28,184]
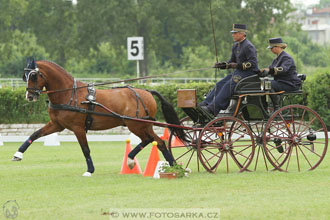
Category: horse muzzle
[32,97]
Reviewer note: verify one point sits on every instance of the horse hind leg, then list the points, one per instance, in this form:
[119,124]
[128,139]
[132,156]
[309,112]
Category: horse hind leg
[162,147]
[135,151]
[49,128]
[147,135]
[144,132]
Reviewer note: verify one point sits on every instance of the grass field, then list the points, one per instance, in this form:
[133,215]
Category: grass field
[48,184]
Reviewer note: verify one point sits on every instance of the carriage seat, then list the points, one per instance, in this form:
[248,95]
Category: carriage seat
[248,85]
[302,77]
[251,84]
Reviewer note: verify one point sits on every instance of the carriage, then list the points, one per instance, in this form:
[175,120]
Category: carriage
[247,135]
[293,138]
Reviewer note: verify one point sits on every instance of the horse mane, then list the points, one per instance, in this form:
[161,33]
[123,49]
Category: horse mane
[57,66]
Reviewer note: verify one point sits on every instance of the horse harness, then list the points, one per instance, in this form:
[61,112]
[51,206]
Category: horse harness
[91,102]
[32,73]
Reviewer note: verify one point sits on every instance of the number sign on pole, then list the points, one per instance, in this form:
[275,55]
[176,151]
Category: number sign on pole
[135,48]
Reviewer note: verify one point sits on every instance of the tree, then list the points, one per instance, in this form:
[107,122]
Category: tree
[10,12]
[324,4]
[177,34]
[168,26]
[14,53]
[53,23]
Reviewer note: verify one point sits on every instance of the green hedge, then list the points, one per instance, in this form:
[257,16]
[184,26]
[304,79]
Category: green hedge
[15,109]
[318,95]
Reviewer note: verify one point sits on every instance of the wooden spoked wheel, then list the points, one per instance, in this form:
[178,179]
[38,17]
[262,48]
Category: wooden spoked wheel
[185,152]
[259,160]
[226,144]
[257,129]
[295,139]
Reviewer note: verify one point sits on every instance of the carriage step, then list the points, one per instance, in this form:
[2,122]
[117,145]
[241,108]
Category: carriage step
[198,115]
[205,113]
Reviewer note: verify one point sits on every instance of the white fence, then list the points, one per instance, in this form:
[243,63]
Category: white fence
[18,82]
[20,133]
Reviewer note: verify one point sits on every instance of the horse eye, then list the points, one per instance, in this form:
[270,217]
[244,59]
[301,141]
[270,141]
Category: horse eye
[33,77]
[25,76]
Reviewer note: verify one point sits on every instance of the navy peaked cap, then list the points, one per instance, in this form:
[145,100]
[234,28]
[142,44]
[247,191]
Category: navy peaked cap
[239,28]
[276,42]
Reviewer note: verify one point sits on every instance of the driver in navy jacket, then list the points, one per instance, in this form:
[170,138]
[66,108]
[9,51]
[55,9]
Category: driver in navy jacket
[244,62]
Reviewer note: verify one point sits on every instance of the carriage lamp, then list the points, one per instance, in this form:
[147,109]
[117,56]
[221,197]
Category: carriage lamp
[266,84]
[311,136]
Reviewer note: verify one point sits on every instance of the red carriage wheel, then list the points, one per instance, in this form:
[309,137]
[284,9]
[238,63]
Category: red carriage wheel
[295,138]
[257,129]
[185,152]
[226,144]
[259,159]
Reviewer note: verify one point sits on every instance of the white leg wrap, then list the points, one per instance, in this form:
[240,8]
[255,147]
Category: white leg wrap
[88,174]
[19,155]
[130,163]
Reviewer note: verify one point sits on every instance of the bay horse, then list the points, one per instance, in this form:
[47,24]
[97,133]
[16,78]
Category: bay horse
[68,109]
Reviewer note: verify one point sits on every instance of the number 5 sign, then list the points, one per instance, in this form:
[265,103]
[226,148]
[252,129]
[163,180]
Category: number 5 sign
[135,48]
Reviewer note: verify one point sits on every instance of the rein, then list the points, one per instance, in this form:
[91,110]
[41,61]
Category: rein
[119,81]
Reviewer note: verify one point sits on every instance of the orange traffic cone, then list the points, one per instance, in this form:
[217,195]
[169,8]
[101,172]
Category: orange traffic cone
[152,161]
[124,168]
[165,135]
[176,142]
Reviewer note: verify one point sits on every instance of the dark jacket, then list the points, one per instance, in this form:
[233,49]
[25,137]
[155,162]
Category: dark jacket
[244,52]
[285,70]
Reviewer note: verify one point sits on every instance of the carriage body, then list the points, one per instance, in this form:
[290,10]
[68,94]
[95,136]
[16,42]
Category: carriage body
[293,137]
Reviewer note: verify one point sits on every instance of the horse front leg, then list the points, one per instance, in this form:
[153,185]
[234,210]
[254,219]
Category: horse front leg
[49,128]
[82,139]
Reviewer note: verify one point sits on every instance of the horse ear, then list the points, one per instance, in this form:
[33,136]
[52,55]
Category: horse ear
[33,64]
[28,61]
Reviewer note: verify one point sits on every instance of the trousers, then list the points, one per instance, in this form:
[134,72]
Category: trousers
[281,86]
[219,97]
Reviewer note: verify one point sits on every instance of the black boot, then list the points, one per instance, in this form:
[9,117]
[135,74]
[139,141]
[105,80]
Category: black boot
[207,110]
[276,101]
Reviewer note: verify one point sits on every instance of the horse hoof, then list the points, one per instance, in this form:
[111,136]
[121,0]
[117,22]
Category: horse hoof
[18,156]
[130,163]
[88,174]
[16,159]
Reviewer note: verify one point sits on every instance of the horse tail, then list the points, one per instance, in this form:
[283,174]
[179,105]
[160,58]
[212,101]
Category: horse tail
[170,115]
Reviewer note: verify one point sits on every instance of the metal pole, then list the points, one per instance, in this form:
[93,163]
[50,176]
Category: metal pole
[138,70]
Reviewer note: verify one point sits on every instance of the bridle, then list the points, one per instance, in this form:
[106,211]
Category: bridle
[33,73]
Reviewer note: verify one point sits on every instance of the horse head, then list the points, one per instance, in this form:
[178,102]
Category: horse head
[35,81]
